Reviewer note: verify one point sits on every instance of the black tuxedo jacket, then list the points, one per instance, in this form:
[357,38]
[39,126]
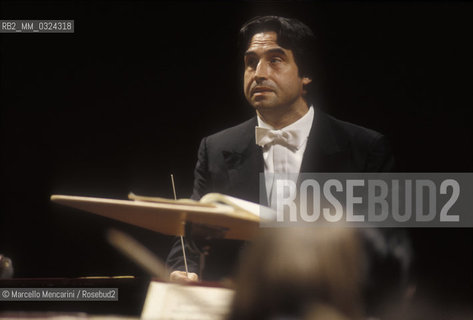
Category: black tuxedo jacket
[230,161]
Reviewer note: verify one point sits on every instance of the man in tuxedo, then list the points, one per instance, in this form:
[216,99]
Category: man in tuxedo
[287,135]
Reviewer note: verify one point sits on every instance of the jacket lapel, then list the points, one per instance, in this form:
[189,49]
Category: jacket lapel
[324,151]
[244,162]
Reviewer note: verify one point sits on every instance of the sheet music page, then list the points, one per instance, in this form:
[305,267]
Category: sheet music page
[183,302]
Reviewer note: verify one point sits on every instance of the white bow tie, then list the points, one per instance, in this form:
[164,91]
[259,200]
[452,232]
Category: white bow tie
[290,138]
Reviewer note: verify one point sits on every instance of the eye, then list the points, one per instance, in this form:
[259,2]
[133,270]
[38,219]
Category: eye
[251,62]
[275,60]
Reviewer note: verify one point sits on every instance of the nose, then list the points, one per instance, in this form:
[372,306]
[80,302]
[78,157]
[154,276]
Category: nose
[261,72]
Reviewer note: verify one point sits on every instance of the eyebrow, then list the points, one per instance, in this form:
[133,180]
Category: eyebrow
[274,50]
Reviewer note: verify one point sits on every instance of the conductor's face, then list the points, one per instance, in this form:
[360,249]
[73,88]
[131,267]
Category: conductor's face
[271,77]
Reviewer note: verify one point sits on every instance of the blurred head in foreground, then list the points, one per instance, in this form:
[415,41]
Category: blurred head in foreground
[316,273]
[287,272]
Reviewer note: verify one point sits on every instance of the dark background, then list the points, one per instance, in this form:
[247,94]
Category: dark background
[124,101]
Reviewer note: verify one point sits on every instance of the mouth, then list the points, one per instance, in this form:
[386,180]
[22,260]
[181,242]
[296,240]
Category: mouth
[261,90]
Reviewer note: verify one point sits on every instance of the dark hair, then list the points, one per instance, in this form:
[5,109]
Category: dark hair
[292,35]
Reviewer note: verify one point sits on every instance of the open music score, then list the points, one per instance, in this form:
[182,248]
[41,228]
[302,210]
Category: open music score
[186,302]
[237,219]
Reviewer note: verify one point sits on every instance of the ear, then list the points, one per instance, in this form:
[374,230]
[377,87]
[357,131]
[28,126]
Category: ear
[306,81]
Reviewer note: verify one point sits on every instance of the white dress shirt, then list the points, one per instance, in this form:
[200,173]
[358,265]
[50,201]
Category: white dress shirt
[279,158]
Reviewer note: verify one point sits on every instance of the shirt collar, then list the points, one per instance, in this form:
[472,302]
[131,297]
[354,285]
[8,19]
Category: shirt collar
[304,124]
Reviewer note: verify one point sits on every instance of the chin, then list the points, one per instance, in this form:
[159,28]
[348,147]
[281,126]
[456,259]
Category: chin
[266,106]
[263,105]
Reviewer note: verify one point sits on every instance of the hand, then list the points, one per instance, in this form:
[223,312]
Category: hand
[180,276]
